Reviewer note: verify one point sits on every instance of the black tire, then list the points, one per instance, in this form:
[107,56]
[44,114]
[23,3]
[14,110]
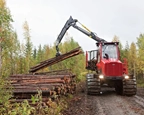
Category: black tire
[129,87]
[92,84]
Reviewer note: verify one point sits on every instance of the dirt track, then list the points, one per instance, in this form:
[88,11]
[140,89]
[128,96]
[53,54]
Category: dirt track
[108,103]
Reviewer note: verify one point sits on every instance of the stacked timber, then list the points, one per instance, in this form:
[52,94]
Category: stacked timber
[55,60]
[49,83]
[59,83]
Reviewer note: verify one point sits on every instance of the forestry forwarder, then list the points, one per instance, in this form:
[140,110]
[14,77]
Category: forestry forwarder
[105,61]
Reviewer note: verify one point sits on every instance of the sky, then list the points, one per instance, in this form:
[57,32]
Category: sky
[107,18]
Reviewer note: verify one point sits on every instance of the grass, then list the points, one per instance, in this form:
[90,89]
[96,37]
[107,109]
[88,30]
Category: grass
[140,83]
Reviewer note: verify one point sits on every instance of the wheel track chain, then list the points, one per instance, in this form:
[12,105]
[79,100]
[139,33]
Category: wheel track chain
[129,87]
[92,84]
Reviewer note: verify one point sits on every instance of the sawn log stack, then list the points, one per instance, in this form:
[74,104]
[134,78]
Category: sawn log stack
[59,82]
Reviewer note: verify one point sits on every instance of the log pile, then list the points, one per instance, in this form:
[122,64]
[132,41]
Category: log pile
[55,60]
[59,83]
[49,83]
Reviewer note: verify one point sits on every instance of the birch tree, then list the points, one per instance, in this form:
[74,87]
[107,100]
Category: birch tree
[5,30]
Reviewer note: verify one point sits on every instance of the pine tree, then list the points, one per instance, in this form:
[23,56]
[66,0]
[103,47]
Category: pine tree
[28,46]
[126,50]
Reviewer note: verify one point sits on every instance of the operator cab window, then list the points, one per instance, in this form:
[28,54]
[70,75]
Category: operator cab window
[109,51]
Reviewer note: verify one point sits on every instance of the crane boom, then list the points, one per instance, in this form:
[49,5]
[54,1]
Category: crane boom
[72,22]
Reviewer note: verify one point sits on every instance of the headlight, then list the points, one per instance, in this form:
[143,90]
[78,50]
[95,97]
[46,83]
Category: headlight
[101,76]
[126,77]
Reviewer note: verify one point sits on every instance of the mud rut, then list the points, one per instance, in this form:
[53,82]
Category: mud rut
[108,103]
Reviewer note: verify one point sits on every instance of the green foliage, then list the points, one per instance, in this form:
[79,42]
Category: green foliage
[140,44]
[23,108]
[140,41]
[81,77]
[5,90]
[5,33]
[132,58]
[5,43]
[126,50]
[5,19]
[40,54]
[37,108]
[140,83]
[28,47]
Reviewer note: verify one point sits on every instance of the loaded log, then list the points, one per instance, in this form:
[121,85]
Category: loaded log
[55,60]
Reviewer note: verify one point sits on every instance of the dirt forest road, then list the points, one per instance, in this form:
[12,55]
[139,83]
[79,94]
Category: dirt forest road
[108,103]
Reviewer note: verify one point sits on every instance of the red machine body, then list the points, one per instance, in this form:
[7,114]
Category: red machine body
[107,60]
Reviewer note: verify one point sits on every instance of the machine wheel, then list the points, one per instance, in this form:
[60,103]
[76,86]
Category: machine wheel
[119,87]
[129,87]
[92,84]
